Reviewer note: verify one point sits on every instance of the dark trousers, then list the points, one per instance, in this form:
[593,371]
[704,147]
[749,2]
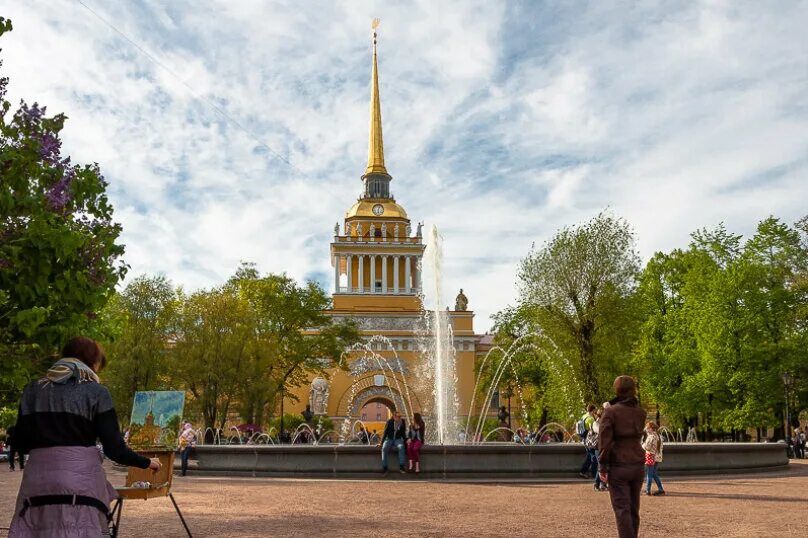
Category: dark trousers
[184,459]
[625,483]
[590,464]
[20,455]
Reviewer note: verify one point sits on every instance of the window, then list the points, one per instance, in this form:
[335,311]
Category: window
[378,416]
[364,416]
[378,405]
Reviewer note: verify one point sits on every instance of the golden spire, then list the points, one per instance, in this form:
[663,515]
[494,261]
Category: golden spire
[375,145]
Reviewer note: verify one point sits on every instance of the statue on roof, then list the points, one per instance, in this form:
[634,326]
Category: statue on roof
[461,302]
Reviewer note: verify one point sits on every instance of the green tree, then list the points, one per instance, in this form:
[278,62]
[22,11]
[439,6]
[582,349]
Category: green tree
[528,373]
[578,288]
[212,335]
[143,318]
[723,322]
[294,337]
[59,256]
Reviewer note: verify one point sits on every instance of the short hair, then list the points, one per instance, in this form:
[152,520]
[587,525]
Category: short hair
[625,387]
[652,425]
[591,408]
[87,351]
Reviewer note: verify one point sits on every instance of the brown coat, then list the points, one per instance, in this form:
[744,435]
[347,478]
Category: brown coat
[620,437]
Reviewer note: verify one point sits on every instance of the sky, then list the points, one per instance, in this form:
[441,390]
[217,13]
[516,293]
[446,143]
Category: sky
[235,131]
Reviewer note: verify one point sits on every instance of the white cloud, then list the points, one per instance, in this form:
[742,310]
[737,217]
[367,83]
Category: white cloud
[502,123]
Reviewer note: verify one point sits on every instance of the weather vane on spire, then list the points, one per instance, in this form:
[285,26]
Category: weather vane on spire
[374,25]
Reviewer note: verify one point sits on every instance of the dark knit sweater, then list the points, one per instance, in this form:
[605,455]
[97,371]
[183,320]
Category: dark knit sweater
[72,414]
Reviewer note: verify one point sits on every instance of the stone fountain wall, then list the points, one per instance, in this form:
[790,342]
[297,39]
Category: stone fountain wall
[508,461]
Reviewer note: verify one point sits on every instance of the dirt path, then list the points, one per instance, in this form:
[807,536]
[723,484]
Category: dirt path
[762,505]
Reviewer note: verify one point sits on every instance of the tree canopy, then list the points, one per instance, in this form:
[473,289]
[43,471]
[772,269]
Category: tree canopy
[60,258]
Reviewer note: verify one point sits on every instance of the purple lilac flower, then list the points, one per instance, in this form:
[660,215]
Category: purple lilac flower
[59,194]
[33,113]
[49,146]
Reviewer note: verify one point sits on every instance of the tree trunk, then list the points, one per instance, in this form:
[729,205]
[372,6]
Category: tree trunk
[591,390]
[543,421]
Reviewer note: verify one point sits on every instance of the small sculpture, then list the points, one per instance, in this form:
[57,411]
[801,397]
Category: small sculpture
[348,229]
[384,231]
[359,230]
[319,396]
[420,226]
[336,228]
[461,302]
[372,231]
[395,231]
[409,229]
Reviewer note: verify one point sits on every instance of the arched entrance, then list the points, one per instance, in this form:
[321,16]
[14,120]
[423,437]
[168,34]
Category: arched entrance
[385,387]
[375,412]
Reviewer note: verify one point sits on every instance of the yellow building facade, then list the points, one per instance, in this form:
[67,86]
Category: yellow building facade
[376,255]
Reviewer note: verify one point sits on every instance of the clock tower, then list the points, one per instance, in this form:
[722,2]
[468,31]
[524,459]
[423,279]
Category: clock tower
[376,258]
[376,255]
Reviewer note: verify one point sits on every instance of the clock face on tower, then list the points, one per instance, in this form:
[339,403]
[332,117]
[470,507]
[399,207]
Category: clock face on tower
[378,209]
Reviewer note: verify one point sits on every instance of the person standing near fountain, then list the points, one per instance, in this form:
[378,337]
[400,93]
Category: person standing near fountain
[622,457]
[415,441]
[187,441]
[653,457]
[395,434]
[592,443]
[589,468]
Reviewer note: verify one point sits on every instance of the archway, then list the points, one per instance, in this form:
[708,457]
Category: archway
[375,412]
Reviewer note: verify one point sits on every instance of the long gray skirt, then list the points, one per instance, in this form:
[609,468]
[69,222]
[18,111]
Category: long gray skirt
[68,470]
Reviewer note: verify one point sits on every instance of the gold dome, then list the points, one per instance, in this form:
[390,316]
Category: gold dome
[364,208]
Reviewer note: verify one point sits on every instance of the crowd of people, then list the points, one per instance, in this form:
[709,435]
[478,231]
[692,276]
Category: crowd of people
[797,442]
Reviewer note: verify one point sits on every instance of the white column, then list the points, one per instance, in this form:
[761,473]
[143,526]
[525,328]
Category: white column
[395,274]
[361,273]
[384,274]
[336,272]
[372,273]
[418,282]
[407,273]
[349,270]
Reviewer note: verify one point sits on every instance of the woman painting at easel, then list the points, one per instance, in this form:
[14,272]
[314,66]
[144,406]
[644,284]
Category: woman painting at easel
[64,488]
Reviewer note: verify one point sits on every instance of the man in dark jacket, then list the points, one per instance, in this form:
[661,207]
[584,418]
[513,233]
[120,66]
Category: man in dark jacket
[622,456]
[395,435]
[13,448]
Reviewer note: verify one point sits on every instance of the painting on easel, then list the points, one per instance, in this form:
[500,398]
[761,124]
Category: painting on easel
[156,417]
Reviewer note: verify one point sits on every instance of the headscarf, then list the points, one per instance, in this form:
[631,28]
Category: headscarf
[69,368]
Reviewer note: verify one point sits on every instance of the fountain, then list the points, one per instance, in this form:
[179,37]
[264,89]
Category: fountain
[440,350]
[549,451]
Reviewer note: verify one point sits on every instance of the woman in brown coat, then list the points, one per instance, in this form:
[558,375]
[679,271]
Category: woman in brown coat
[622,457]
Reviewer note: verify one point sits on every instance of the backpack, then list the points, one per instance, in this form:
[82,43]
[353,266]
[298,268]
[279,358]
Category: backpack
[591,439]
[580,427]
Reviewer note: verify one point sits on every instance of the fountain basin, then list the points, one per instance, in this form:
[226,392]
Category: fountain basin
[490,460]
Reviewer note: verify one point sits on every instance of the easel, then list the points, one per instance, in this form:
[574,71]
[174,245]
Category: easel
[160,487]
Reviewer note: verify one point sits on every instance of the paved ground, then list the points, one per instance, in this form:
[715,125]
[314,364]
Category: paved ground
[751,505]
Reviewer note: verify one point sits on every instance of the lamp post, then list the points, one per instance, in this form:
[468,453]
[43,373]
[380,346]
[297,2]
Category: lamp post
[508,392]
[788,382]
[709,416]
[281,428]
